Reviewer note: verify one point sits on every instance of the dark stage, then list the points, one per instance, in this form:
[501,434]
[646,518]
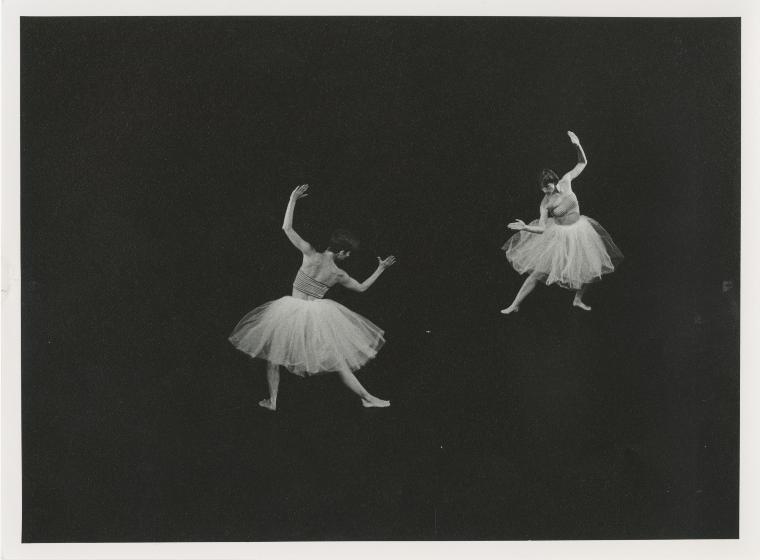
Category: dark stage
[157,158]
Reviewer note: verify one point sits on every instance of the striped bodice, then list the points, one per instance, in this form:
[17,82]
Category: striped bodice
[307,285]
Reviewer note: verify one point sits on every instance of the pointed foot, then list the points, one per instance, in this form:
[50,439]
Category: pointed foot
[268,404]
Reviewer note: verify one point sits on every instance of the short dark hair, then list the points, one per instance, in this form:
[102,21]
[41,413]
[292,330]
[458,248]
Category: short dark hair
[547,176]
[343,240]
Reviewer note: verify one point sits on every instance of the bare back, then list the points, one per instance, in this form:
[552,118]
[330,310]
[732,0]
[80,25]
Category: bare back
[319,267]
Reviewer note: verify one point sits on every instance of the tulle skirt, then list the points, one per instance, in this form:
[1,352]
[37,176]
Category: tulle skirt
[568,255]
[308,336]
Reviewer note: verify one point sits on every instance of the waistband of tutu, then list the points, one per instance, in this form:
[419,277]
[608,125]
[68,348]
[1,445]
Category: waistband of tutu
[556,220]
[307,285]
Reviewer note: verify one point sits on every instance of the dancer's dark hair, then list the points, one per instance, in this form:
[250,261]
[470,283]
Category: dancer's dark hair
[546,177]
[343,240]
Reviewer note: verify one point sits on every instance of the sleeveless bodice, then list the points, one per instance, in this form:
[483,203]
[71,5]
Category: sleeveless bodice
[566,205]
[307,285]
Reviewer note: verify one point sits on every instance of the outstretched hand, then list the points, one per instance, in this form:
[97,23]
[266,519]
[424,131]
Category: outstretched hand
[299,192]
[518,225]
[573,137]
[385,263]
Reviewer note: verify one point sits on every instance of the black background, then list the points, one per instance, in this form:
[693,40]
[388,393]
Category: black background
[157,158]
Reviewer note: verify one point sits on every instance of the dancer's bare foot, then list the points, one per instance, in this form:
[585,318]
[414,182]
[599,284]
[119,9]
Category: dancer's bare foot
[266,403]
[511,309]
[374,402]
[580,304]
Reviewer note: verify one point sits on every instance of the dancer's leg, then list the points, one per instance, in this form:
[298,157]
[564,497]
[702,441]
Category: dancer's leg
[578,299]
[525,289]
[273,380]
[352,383]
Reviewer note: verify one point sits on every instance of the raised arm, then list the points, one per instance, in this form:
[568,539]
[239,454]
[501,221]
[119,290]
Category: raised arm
[582,161]
[287,224]
[346,281]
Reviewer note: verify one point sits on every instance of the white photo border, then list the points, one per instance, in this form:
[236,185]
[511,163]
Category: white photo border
[10,400]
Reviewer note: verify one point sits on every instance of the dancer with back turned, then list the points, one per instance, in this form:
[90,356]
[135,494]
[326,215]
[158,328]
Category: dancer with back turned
[309,334]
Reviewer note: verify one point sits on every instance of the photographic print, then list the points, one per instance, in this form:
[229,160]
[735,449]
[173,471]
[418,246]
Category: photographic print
[379,278]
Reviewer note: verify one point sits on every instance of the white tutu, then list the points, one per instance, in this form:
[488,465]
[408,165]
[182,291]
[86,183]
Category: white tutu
[308,336]
[569,255]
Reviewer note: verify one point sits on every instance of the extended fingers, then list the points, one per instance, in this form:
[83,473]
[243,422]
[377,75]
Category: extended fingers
[300,191]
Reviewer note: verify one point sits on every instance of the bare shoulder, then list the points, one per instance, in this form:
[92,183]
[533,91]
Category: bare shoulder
[312,258]
[341,276]
[565,185]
